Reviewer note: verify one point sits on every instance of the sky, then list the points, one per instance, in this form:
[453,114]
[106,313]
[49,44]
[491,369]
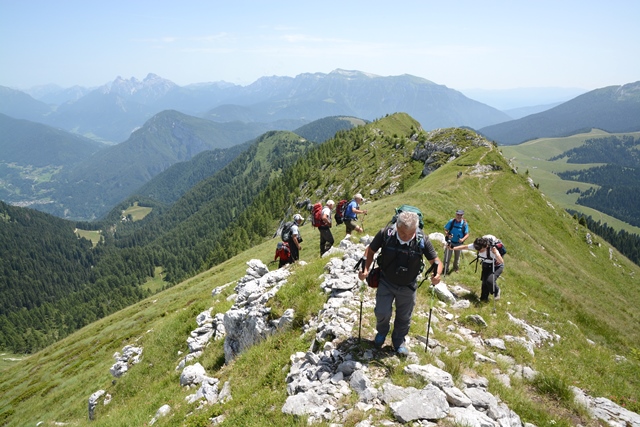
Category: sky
[482,45]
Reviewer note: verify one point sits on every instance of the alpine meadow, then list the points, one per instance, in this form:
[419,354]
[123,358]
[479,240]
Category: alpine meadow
[560,342]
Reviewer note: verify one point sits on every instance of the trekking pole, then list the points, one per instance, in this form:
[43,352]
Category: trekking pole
[447,258]
[360,320]
[432,289]
[359,265]
[493,278]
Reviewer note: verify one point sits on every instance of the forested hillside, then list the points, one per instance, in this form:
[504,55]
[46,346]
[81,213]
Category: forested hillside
[192,204]
[322,129]
[170,185]
[93,187]
[179,240]
[53,283]
[618,181]
[178,179]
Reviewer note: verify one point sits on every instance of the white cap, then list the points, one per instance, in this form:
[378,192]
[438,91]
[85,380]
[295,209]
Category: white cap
[331,203]
[358,196]
[297,217]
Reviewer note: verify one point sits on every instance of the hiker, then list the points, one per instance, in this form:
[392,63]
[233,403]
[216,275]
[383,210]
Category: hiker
[295,238]
[492,266]
[351,214]
[402,247]
[326,238]
[456,232]
[283,253]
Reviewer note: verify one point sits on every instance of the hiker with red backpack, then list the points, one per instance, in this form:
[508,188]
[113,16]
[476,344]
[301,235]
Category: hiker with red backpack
[326,238]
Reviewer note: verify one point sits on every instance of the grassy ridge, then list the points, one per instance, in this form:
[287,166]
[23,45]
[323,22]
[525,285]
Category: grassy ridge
[553,280]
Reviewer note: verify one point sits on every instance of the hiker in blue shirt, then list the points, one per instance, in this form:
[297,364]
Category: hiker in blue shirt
[456,232]
[351,214]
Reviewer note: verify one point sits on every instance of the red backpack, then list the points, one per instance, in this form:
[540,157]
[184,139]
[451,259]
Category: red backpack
[282,251]
[316,215]
[341,209]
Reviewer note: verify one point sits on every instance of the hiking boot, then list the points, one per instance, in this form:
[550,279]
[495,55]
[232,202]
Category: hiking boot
[497,297]
[379,340]
[402,351]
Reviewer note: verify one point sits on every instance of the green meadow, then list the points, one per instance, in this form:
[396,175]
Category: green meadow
[531,159]
[137,212]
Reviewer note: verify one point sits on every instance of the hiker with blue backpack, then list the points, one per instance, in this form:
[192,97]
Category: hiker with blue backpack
[402,246]
[457,231]
[490,251]
[351,214]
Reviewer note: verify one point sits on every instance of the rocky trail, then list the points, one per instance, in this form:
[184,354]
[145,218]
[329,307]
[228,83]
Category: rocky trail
[339,368]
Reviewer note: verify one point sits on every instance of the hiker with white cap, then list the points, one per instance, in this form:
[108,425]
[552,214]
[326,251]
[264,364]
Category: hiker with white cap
[295,238]
[351,214]
[326,238]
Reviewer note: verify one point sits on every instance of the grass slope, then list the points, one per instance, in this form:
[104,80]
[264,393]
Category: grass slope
[553,279]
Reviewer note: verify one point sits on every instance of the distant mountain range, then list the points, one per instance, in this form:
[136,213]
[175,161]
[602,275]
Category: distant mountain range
[613,109]
[162,124]
[113,111]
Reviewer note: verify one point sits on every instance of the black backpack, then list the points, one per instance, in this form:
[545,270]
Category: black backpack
[286,231]
[411,257]
[502,249]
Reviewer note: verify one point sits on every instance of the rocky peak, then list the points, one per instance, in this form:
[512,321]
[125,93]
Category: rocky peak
[152,88]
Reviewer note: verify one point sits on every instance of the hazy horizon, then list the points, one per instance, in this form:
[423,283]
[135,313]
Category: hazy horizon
[462,45]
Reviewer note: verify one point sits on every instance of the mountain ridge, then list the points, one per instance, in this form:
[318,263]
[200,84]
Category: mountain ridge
[548,264]
[615,109]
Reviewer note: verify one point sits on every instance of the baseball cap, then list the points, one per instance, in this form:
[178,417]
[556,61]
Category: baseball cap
[459,212]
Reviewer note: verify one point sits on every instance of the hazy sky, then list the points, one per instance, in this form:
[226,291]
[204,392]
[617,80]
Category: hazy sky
[461,44]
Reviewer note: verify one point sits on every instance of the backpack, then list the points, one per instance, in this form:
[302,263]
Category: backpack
[316,215]
[497,243]
[462,224]
[408,208]
[410,256]
[341,209]
[282,251]
[286,231]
